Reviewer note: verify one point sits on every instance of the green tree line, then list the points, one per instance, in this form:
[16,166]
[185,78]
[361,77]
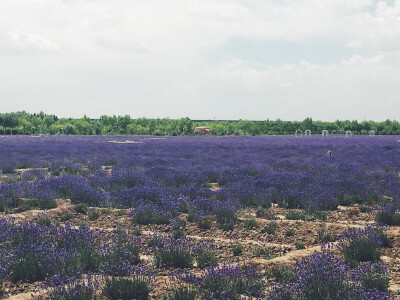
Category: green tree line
[23,123]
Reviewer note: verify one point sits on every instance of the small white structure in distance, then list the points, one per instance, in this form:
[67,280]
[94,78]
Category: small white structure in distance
[349,133]
[298,133]
[371,133]
[202,130]
[325,133]
[307,132]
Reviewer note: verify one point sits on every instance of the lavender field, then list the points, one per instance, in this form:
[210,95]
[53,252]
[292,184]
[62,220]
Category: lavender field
[134,217]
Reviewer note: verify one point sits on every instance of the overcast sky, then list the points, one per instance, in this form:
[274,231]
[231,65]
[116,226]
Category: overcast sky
[205,59]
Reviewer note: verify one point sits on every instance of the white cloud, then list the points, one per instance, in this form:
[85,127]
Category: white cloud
[24,43]
[151,58]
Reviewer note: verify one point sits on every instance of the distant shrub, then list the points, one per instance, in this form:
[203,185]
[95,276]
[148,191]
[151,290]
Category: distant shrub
[237,249]
[227,226]
[326,236]
[67,216]
[388,214]
[226,218]
[9,197]
[81,208]
[106,211]
[316,214]
[360,245]
[44,220]
[262,252]
[280,273]
[289,232]
[156,241]
[93,215]
[299,245]
[177,257]
[365,209]
[40,204]
[148,216]
[204,223]
[178,233]
[385,239]
[373,276]
[177,224]
[137,231]
[126,289]
[191,217]
[261,212]
[224,283]
[270,228]
[206,259]
[81,289]
[325,276]
[346,200]
[250,224]
[293,215]
[120,213]
[8,170]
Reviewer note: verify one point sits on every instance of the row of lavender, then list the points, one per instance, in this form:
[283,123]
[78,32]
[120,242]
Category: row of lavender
[112,265]
[176,172]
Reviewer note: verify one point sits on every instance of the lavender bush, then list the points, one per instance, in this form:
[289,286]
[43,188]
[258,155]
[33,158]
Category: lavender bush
[325,276]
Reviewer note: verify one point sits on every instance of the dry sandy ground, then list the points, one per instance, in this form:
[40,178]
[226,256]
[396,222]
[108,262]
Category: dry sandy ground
[281,247]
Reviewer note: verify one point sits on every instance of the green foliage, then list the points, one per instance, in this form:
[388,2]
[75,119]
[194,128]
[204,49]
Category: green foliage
[156,241]
[388,218]
[106,211]
[44,220]
[299,245]
[81,208]
[237,249]
[250,224]
[270,228]
[120,213]
[280,273]
[147,217]
[375,281]
[204,223]
[39,204]
[25,123]
[261,212]
[126,289]
[93,215]
[67,216]
[8,170]
[326,236]
[386,240]
[178,233]
[289,232]
[226,216]
[206,259]
[137,231]
[173,257]
[360,250]
[262,252]
[365,209]
[293,215]
[227,226]
[191,218]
